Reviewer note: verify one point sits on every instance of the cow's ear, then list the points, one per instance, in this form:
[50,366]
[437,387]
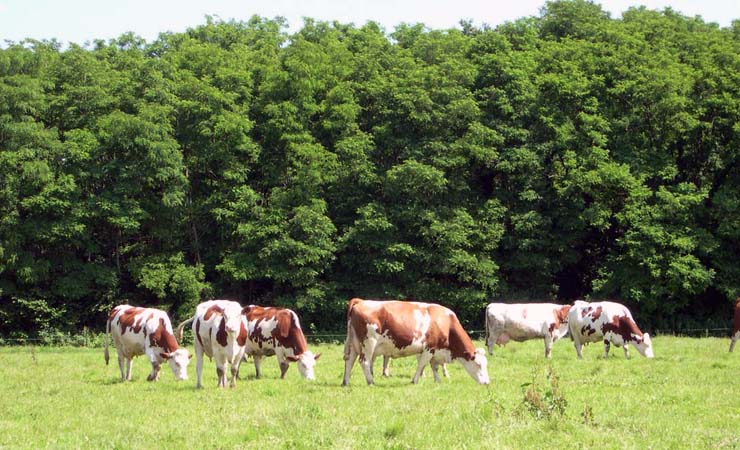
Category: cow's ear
[165,355]
[190,356]
[292,358]
[316,356]
[247,309]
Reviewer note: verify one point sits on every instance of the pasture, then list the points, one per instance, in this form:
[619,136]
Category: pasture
[687,397]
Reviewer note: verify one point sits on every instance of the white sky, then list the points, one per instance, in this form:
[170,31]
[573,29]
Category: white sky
[85,20]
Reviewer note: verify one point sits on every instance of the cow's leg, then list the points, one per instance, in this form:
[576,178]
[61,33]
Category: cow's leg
[221,372]
[578,345]
[129,368]
[234,373]
[435,372]
[444,371]
[154,376]
[367,368]
[121,366]
[284,365]
[198,364]
[257,365]
[421,361]
[349,361]
[366,359]
[491,342]
[607,346]
[733,340]
[626,351]
[548,345]
[386,366]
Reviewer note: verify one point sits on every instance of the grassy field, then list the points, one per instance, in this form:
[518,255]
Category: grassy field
[687,397]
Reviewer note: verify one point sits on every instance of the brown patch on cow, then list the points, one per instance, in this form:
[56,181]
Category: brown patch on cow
[396,328]
[215,309]
[241,338]
[163,339]
[623,326]
[736,317]
[460,344]
[597,313]
[127,319]
[561,316]
[287,332]
[197,332]
[586,330]
[221,335]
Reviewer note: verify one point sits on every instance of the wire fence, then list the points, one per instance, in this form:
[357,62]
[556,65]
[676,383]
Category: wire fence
[89,339]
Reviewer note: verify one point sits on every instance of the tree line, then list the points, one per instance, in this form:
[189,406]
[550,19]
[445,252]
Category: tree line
[562,156]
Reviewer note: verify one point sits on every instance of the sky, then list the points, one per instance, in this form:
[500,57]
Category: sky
[81,21]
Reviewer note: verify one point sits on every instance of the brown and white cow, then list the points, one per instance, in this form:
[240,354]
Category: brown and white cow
[735,325]
[145,331]
[220,333]
[277,331]
[522,321]
[612,322]
[398,328]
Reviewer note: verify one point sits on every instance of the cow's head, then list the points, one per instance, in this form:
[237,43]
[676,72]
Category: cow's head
[477,366]
[644,345]
[305,363]
[232,320]
[179,360]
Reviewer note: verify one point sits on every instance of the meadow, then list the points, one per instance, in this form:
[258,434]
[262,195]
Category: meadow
[687,397]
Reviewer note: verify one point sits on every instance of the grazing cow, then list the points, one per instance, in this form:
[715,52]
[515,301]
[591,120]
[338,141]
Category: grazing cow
[612,322]
[145,331]
[397,329]
[735,325]
[277,331]
[220,332]
[523,321]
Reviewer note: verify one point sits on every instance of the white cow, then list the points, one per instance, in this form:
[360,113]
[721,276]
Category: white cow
[523,321]
[145,331]
[220,332]
[607,321]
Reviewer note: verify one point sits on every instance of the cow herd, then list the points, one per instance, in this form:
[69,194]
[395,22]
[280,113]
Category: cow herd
[226,332]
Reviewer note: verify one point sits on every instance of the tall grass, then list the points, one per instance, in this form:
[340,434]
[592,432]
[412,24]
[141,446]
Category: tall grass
[687,397]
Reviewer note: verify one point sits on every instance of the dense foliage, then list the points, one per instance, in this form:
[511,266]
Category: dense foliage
[560,156]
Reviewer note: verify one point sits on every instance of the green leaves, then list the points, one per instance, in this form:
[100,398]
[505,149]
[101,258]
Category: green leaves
[560,156]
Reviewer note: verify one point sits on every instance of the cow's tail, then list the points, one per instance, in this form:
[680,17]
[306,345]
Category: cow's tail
[488,332]
[178,331]
[105,341]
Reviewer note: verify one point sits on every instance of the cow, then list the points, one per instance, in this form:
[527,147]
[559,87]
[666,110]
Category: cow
[522,321]
[735,325]
[220,333]
[144,331]
[612,322]
[398,328]
[277,331]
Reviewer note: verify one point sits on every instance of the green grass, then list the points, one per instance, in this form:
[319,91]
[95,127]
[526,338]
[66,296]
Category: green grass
[687,397]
